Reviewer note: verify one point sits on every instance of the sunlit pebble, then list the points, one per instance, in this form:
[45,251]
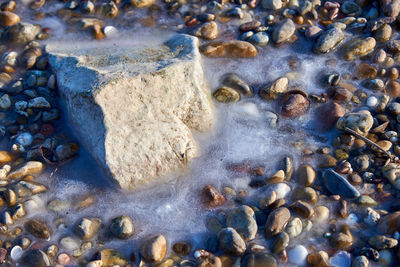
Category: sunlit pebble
[16,253]
[372,101]
[110,31]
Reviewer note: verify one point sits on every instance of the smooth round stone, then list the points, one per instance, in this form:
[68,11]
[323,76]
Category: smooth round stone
[16,253]
[69,243]
[226,94]
[122,227]
[110,31]
[321,214]
[280,242]
[260,39]
[372,101]
[231,242]
[341,259]
[298,255]
[281,190]
[24,139]
[294,227]
[372,217]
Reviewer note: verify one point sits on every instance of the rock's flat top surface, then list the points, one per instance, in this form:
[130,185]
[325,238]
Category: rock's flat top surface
[134,107]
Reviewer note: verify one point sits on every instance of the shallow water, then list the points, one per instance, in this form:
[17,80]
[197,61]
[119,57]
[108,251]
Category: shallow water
[241,134]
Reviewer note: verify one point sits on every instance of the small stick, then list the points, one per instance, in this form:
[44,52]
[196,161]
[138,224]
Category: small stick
[366,140]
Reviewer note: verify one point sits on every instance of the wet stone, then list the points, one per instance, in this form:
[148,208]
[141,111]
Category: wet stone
[338,185]
[360,122]
[233,81]
[272,91]
[284,31]
[37,228]
[294,104]
[259,259]
[36,258]
[229,49]
[208,31]
[302,208]
[231,242]
[382,242]
[359,47]
[21,33]
[212,197]
[306,175]
[122,227]
[280,242]
[328,40]
[277,221]
[110,257]
[154,249]
[242,219]
[294,227]
[360,261]
[87,228]
[182,248]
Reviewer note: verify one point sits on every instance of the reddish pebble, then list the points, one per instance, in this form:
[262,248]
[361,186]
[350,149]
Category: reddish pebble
[191,22]
[64,258]
[47,129]
[3,254]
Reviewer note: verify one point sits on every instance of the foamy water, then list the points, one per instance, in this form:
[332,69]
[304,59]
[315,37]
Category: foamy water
[241,134]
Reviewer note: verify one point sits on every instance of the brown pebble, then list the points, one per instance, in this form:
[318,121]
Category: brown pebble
[249,26]
[304,209]
[212,197]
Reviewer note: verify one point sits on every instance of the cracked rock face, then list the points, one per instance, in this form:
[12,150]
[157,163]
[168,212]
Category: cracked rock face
[134,107]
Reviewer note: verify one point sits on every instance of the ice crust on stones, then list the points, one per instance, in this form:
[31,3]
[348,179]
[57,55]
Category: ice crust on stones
[134,107]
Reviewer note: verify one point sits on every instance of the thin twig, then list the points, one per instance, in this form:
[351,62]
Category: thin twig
[366,140]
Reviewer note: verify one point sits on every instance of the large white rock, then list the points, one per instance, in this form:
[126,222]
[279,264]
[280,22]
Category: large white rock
[134,106]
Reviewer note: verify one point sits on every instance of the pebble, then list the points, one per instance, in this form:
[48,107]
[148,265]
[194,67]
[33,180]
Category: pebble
[272,91]
[29,168]
[260,38]
[283,31]
[338,185]
[328,40]
[276,221]
[230,49]
[272,4]
[5,102]
[341,259]
[280,242]
[212,197]
[154,249]
[360,122]
[233,81]
[231,242]
[321,214]
[24,139]
[21,33]
[381,242]
[359,47]
[208,31]
[306,175]
[298,255]
[122,227]
[360,261]
[294,104]
[87,228]
[302,208]
[259,259]
[243,220]
[294,227]
[37,228]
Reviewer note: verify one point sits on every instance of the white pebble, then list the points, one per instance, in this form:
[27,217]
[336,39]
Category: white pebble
[16,253]
[372,101]
[110,31]
[281,190]
[24,139]
[298,255]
